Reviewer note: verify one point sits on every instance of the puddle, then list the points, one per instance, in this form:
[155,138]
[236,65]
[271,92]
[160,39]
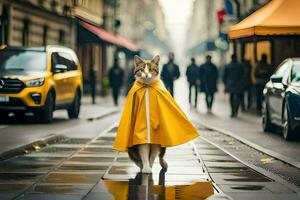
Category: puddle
[143,187]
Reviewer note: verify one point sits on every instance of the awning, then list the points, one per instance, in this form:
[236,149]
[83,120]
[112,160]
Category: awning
[109,38]
[278,17]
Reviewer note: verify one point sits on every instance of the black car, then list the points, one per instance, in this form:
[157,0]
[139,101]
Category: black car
[281,105]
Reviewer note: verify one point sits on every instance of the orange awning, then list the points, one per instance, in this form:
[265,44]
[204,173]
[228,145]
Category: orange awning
[109,37]
[278,17]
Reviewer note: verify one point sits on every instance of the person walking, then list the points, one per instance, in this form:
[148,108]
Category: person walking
[247,86]
[233,80]
[262,73]
[169,73]
[209,80]
[116,75]
[193,80]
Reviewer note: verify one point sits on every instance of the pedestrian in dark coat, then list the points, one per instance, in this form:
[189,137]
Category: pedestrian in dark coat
[116,75]
[209,78]
[193,80]
[233,80]
[169,73]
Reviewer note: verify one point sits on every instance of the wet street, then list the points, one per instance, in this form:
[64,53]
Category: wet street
[74,160]
[226,69]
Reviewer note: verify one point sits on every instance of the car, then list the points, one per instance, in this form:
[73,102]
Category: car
[39,80]
[281,106]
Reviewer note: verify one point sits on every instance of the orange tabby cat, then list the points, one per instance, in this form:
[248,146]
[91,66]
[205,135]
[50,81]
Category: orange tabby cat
[146,72]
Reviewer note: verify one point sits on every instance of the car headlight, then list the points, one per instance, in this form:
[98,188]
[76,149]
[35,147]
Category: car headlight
[35,82]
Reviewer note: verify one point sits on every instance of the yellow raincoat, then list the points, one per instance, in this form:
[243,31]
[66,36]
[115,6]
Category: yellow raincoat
[166,124]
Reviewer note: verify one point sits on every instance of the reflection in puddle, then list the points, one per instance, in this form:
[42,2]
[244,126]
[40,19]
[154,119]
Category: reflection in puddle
[142,188]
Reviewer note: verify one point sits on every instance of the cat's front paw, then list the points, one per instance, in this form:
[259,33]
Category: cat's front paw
[147,170]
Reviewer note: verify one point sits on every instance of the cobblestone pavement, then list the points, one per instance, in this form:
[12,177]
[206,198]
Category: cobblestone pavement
[87,168]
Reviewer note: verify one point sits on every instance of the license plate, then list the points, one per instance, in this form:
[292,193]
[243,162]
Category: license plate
[4,99]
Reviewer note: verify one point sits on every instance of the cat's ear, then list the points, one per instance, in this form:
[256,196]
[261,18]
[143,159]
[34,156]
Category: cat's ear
[156,59]
[137,60]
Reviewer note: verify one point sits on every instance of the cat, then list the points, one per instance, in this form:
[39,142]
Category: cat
[146,72]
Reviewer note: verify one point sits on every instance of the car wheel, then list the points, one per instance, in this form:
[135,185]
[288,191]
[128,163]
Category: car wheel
[266,121]
[73,111]
[47,114]
[287,131]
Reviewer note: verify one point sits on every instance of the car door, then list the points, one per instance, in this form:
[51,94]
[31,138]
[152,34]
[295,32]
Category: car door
[277,92]
[58,68]
[70,76]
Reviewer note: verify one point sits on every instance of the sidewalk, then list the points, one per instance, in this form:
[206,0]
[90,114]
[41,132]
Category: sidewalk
[103,107]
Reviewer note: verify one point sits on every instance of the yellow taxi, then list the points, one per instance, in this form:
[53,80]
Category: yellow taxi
[39,80]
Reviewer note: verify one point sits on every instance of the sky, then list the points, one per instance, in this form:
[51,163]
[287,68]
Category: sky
[177,13]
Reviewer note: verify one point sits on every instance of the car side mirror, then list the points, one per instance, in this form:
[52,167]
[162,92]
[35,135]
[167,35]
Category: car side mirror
[276,79]
[59,68]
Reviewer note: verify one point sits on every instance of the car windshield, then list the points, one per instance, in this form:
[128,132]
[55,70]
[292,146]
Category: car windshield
[22,60]
[295,75]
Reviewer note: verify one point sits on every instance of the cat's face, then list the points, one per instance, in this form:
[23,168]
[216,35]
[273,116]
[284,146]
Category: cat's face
[146,71]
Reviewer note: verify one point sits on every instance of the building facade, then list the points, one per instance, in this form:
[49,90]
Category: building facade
[48,22]
[143,22]
[203,30]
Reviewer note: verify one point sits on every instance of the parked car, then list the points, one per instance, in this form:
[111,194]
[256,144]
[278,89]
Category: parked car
[39,80]
[281,105]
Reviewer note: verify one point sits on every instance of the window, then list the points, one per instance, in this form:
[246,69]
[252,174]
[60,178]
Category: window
[4,26]
[25,33]
[22,61]
[63,59]
[295,73]
[45,33]
[283,71]
[61,37]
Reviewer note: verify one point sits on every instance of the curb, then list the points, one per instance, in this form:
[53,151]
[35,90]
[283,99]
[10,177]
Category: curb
[33,146]
[97,117]
[271,153]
